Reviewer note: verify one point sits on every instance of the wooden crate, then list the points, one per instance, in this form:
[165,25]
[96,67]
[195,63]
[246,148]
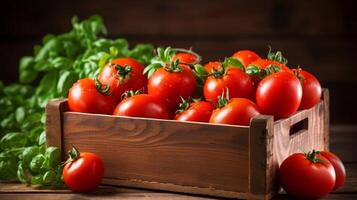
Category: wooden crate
[190,157]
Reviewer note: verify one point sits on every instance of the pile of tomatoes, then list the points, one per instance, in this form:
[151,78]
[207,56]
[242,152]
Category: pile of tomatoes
[176,86]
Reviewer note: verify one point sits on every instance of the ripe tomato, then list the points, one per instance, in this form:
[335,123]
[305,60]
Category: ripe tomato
[83,172]
[237,111]
[309,176]
[212,65]
[234,79]
[338,166]
[123,74]
[246,57]
[279,94]
[263,63]
[88,96]
[172,82]
[311,89]
[196,111]
[142,105]
[186,58]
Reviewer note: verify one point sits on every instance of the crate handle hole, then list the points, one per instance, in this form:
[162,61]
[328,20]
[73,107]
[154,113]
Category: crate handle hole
[299,127]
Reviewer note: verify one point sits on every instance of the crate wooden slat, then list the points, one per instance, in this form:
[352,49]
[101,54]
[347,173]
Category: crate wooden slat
[190,157]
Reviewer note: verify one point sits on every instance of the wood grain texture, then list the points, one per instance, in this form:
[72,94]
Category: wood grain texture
[161,151]
[54,111]
[260,157]
[311,137]
[326,117]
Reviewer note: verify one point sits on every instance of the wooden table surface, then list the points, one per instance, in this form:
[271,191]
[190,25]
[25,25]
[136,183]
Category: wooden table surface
[343,142]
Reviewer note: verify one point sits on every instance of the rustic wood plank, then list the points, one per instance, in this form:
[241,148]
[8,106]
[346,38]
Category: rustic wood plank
[157,17]
[309,136]
[54,110]
[153,152]
[261,158]
[326,116]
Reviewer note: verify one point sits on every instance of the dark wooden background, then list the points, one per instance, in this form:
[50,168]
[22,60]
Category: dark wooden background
[319,35]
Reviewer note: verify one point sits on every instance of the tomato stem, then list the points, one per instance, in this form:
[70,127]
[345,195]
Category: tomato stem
[130,93]
[277,56]
[174,67]
[73,155]
[297,73]
[311,155]
[103,89]
[223,99]
[123,71]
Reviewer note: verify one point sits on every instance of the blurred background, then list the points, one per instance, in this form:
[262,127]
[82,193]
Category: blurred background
[318,35]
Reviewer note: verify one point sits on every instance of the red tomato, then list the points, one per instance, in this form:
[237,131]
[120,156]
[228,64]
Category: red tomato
[84,173]
[263,63]
[170,83]
[308,176]
[239,84]
[123,74]
[279,94]
[197,111]
[186,58]
[84,96]
[311,89]
[246,57]
[213,65]
[238,111]
[338,166]
[142,105]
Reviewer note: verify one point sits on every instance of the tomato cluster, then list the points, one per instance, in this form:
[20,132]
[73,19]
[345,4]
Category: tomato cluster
[176,86]
[311,175]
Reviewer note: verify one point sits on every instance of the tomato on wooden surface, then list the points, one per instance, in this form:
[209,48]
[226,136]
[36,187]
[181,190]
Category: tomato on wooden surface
[83,171]
[279,94]
[142,105]
[123,74]
[199,111]
[246,57]
[90,96]
[236,111]
[172,82]
[338,166]
[307,176]
[239,84]
[311,89]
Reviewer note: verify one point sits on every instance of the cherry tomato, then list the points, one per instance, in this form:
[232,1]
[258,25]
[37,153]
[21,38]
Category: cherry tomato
[338,166]
[263,63]
[309,176]
[123,74]
[212,65]
[246,57]
[238,111]
[186,58]
[84,172]
[239,84]
[279,94]
[172,82]
[196,111]
[88,96]
[142,105]
[311,89]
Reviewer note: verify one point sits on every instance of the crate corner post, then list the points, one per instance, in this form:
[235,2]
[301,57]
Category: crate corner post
[54,111]
[262,168]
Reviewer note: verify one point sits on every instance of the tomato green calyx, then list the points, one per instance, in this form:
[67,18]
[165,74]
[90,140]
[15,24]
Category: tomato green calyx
[189,51]
[297,73]
[185,104]
[223,99]
[130,93]
[277,56]
[73,155]
[174,67]
[253,70]
[103,89]
[218,73]
[123,72]
[311,156]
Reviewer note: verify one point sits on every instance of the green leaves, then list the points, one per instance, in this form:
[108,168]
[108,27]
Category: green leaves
[232,62]
[58,62]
